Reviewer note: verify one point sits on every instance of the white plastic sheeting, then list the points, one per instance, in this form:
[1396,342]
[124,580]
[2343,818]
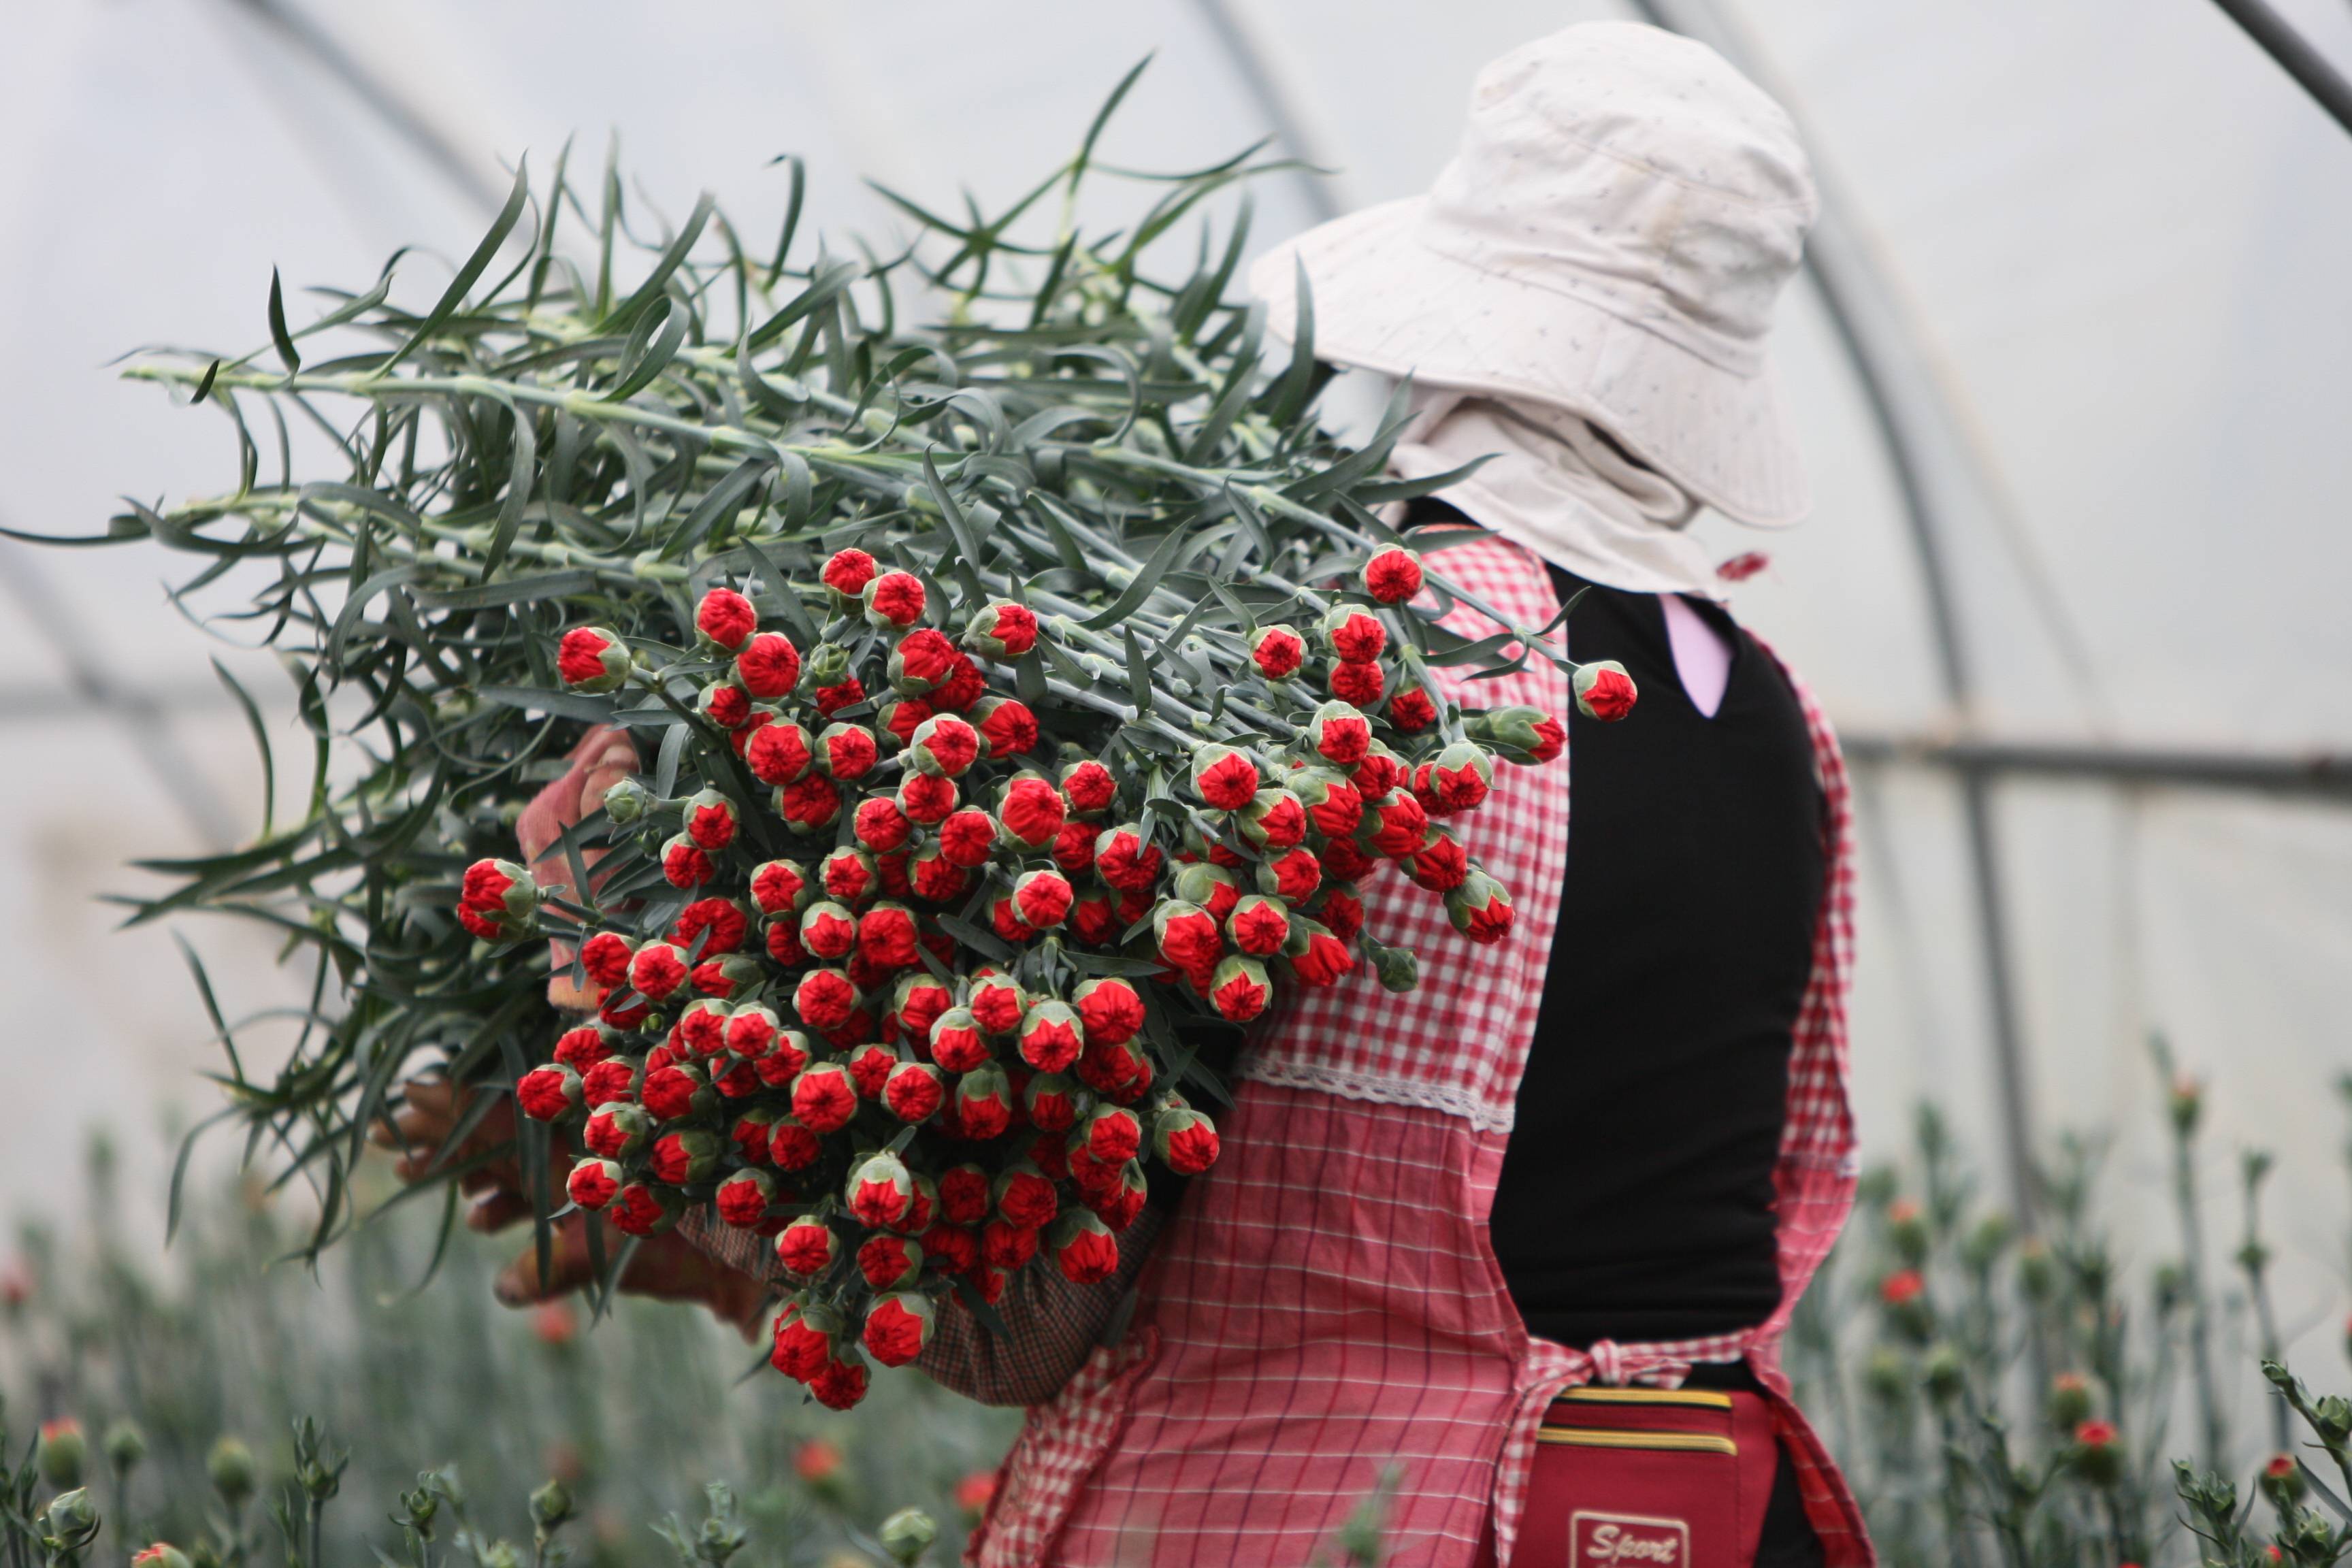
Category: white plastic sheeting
[2106,245]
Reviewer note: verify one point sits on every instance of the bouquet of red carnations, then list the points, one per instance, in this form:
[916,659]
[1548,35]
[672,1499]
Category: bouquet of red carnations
[1017,699]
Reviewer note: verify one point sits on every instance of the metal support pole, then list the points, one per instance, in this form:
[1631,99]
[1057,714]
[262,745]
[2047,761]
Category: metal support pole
[2294,55]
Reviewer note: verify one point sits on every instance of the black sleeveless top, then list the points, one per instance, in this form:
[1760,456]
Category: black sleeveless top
[1636,1201]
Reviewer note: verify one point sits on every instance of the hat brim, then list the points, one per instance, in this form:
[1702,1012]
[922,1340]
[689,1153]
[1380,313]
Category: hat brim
[1384,301]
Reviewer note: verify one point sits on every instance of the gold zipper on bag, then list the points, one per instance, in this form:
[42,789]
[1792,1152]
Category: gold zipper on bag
[1590,1395]
[1666,1442]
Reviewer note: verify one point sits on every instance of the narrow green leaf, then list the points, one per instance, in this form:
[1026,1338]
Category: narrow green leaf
[454,295]
[278,332]
[260,744]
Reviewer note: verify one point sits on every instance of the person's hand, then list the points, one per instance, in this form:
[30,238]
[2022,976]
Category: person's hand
[603,757]
[667,1267]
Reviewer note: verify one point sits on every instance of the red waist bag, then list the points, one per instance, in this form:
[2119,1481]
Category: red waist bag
[1647,1478]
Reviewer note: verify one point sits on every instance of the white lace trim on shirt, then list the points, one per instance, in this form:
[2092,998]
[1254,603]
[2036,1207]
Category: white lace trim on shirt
[1381,1088]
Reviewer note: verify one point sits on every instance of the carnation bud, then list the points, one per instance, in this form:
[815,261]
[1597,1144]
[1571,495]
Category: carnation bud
[780,752]
[1084,1248]
[1393,575]
[593,659]
[956,1043]
[1224,777]
[1457,780]
[497,900]
[71,1520]
[1278,652]
[1185,1141]
[828,665]
[685,1159]
[893,599]
[617,1131]
[1274,819]
[804,1248]
[1030,811]
[1239,989]
[1090,787]
[686,863]
[1002,630]
[725,619]
[1113,1135]
[944,746]
[1051,1101]
[1522,735]
[1339,734]
[231,1469]
[913,1092]
[1397,968]
[907,1534]
[984,1102]
[769,666]
[879,1190]
[1258,925]
[742,1199]
[898,1326]
[996,1003]
[1603,691]
[61,1450]
[1051,1037]
[547,1092]
[159,1554]
[627,801]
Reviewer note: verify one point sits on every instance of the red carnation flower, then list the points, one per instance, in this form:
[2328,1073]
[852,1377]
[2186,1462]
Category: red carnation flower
[1118,1207]
[1043,897]
[886,1260]
[1360,684]
[804,1248]
[1050,1038]
[934,878]
[848,572]
[1411,710]
[658,970]
[984,1102]
[1212,887]
[913,1092]
[582,1048]
[1292,876]
[897,1327]
[810,804]
[828,930]
[743,1198]
[1902,1287]
[606,957]
[1187,934]
[641,1210]
[823,1099]
[1258,926]
[849,875]
[1007,1246]
[720,924]
[894,599]
[1604,691]
[1393,575]
[920,661]
[608,1081]
[727,705]
[594,1182]
[1355,637]
[1398,824]
[881,1191]
[1277,651]
[710,820]
[997,1002]
[1089,786]
[680,1158]
[1092,922]
[1342,910]
[1274,819]
[1339,734]
[793,1146]
[963,687]
[1007,725]
[617,1131]
[848,751]
[701,1029]
[870,1065]
[886,937]
[1113,1135]
[1052,1101]
[1030,811]
[1111,1010]
[769,666]
[1224,778]
[1378,773]
[1125,861]
[1440,865]
[1084,1249]
[832,700]
[1185,1141]
[926,800]
[901,719]
[591,659]
[956,1043]
[547,1092]
[1480,908]
[1316,956]
[676,1092]
[802,1348]
[964,1194]
[750,1133]
[944,746]
[686,863]
[968,837]
[1002,630]
[622,1014]
[497,899]
[951,1249]
[779,885]
[839,1384]
[881,825]
[1239,990]
[1024,1197]
[726,618]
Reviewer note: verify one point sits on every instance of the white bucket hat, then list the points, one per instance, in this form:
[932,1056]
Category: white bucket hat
[1609,239]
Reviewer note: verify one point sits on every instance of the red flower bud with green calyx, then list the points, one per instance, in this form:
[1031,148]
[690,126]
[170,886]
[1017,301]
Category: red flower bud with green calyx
[804,1337]
[984,1102]
[1440,864]
[726,619]
[1187,935]
[951,1250]
[927,801]
[1341,908]
[594,1182]
[1111,1009]
[605,959]
[1025,1196]
[1522,735]
[1359,683]
[849,875]
[582,1048]
[887,937]
[1339,734]
[780,752]
[964,1194]
[1118,1207]
[1051,1099]
[1126,860]
[1412,711]
[847,752]
[496,901]
[831,699]
[1480,908]
[1043,898]
[779,887]
[727,705]
[792,1146]
[897,1327]
[1005,919]
[1113,1135]
[881,825]
[1084,1248]
[964,686]
[1335,804]
[1604,691]
[769,666]
[642,1210]
[1397,825]
[1354,636]
[956,1043]
[1292,876]
[714,927]
[1002,630]
[1185,1141]
[624,1011]
[1089,786]
[893,599]
[824,1098]
[1007,1246]
[736,1080]
[750,1133]
[1073,849]
[1277,651]
[921,662]
[2097,1455]
[1259,926]
[1349,861]
[657,971]
[701,1029]
[677,1091]
[1224,777]
[828,930]
[1119,1071]
[967,838]
[900,720]
[913,1092]
[839,1385]
[686,863]
[1316,956]
[751,1030]
[1030,811]
[781,940]
[1212,887]
[1093,920]
[847,572]
[805,1248]
[1274,819]
[681,1159]
[785,1060]
[1457,780]
[944,746]
[1393,575]
[742,1199]
[879,1190]
[1379,771]
[885,1260]
[934,878]
[870,1065]
[613,1080]
[995,1000]
[1007,725]
[1051,1038]
[1239,990]
[591,659]
[810,804]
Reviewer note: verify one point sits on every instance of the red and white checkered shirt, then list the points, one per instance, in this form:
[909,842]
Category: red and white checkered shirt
[1325,1308]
